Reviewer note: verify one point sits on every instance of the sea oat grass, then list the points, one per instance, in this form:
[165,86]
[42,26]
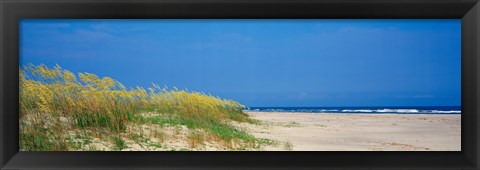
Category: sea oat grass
[195,138]
[55,100]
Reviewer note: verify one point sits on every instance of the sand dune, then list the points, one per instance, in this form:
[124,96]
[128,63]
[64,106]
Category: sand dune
[357,132]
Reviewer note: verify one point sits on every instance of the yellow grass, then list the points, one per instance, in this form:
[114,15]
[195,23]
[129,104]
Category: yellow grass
[55,100]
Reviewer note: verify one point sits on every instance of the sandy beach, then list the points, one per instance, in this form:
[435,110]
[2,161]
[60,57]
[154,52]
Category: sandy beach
[357,132]
[288,131]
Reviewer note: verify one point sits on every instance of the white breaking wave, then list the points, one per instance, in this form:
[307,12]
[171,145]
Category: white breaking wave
[365,111]
[383,111]
[451,111]
[397,111]
[373,111]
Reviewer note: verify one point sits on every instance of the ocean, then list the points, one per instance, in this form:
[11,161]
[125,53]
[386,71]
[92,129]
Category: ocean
[367,110]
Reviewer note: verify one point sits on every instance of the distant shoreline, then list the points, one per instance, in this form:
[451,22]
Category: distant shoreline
[364,110]
[351,113]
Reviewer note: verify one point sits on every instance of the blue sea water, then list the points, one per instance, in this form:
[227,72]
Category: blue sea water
[367,110]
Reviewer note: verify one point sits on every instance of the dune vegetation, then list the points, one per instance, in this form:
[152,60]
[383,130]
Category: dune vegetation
[60,111]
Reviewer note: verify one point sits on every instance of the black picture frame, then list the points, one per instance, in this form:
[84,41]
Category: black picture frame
[468,11]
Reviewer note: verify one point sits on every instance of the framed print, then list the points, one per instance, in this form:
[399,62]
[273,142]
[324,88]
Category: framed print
[210,84]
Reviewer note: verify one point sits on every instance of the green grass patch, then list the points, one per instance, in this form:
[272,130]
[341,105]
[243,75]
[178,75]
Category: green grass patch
[119,143]
[216,128]
[39,138]
[264,141]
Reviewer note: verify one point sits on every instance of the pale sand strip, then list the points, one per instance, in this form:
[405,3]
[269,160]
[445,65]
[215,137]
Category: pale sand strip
[358,132]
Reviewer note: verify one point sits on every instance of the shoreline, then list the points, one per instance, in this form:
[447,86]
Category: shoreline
[301,131]
[345,113]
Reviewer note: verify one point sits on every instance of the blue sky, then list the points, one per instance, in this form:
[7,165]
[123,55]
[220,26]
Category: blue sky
[263,62]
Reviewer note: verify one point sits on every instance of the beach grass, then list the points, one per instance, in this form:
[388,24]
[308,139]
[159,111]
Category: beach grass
[288,146]
[54,103]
